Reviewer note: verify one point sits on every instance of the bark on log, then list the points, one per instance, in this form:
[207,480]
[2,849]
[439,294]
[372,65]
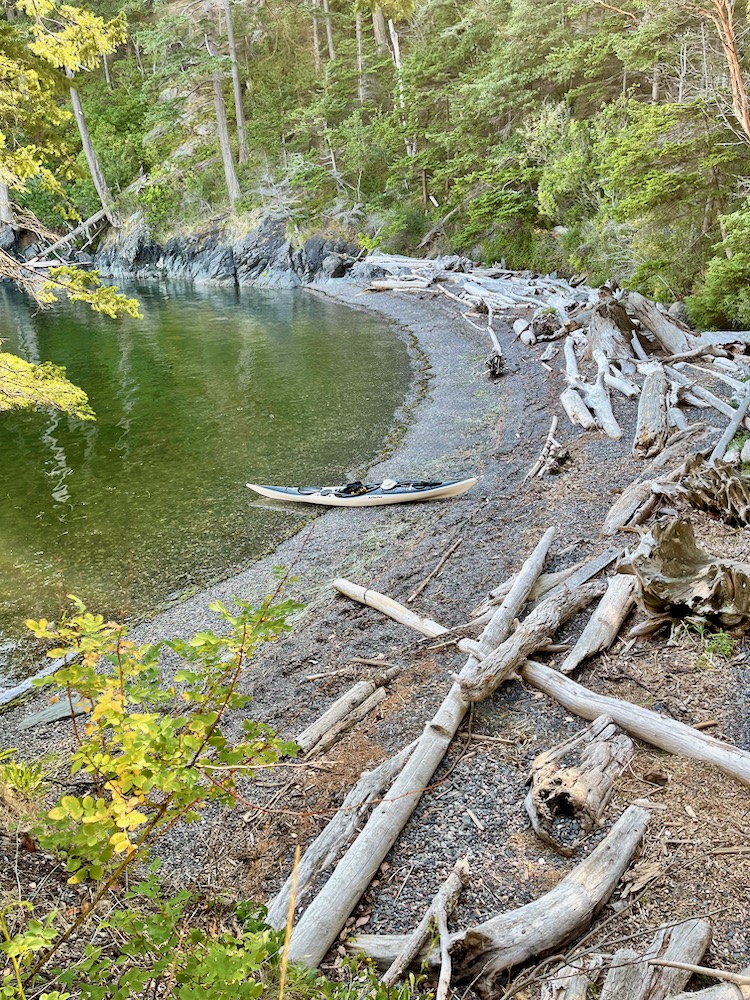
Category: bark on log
[323,851]
[571,785]
[482,953]
[632,978]
[611,331]
[480,680]
[672,337]
[652,426]
[605,623]
[317,929]
[658,730]
[444,900]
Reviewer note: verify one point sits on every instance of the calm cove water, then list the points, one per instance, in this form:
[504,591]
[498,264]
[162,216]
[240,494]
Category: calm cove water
[211,389]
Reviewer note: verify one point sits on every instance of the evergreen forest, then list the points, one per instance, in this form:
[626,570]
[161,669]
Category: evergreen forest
[569,135]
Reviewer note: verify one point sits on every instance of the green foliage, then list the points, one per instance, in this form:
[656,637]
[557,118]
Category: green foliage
[722,298]
[19,776]
[24,386]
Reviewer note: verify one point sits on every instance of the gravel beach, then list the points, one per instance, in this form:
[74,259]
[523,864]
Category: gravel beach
[459,423]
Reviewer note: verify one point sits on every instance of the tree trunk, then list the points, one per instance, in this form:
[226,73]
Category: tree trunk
[329,31]
[380,33]
[7,214]
[360,59]
[236,86]
[105,196]
[316,39]
[220,109]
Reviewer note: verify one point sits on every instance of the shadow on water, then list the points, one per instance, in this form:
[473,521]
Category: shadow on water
[211,389]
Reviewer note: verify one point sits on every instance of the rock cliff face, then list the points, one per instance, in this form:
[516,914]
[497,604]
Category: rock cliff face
[263,257]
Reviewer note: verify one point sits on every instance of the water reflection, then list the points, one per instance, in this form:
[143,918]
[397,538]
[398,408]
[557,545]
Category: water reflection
[210,390]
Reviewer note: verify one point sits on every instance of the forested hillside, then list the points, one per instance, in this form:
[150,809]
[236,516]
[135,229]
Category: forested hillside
[577,135]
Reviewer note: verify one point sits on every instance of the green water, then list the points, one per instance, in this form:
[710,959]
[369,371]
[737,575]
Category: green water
[213,388]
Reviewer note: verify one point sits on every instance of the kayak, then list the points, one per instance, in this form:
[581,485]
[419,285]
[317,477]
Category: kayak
[366,494]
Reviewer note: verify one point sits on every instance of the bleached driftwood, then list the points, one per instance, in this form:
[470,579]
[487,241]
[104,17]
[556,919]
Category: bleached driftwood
[389,607]
[732,427]
[658,730]
[702,394]
[604,625]
[480,954]
[325,916]
[611,331]
[479,680]
[678,578]
[718,488]
[355,715]
[572,784]
[576,410]
[631,977]
[621,511]
[434,572]
[444,901]
[673,337]
[652,426]
[570,983]
[595,396]
[323,851]
[551,456]
[722,991]
[341,709]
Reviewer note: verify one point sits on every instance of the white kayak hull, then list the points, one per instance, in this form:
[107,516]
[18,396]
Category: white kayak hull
[375,496]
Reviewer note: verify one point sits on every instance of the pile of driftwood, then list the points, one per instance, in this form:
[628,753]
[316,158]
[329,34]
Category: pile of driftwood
[635,349]
[570,788]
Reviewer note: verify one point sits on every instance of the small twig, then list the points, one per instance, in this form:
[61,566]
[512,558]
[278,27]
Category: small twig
[701,970]
[435,571]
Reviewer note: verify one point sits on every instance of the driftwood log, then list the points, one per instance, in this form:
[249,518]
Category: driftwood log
[570,983]
[479,680]
[572,784]
[326,915]
[324,850]
[722,991]
[673,338]
[343,713]
[604,625]
[652,425]
[631,977]
[482,953]
[678,578]
[658,730]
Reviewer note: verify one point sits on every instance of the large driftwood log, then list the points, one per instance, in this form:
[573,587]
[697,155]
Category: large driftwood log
[702,394]
[604,625]
[572,784]
[632,978]
[611,331]
[622,510]
[482,953]
[324,850]
[674,338]
[444,901]
[732,427]
[677,578]
[658,730]
[576,410]
[321,922]
[478,681]
[652,426]
[570,983]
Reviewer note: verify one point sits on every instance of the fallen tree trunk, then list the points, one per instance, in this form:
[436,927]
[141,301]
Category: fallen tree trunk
[602,628]
[389,607]
[633,978]
[571,785]
[732,427]
[317,928]
[479,680]
[658,730]
[480,954]
[672,337]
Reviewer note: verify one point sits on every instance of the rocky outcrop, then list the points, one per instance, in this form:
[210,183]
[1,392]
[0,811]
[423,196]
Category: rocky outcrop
[264,256]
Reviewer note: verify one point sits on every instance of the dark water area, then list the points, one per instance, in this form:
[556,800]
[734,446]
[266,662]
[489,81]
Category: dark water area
[211,389]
